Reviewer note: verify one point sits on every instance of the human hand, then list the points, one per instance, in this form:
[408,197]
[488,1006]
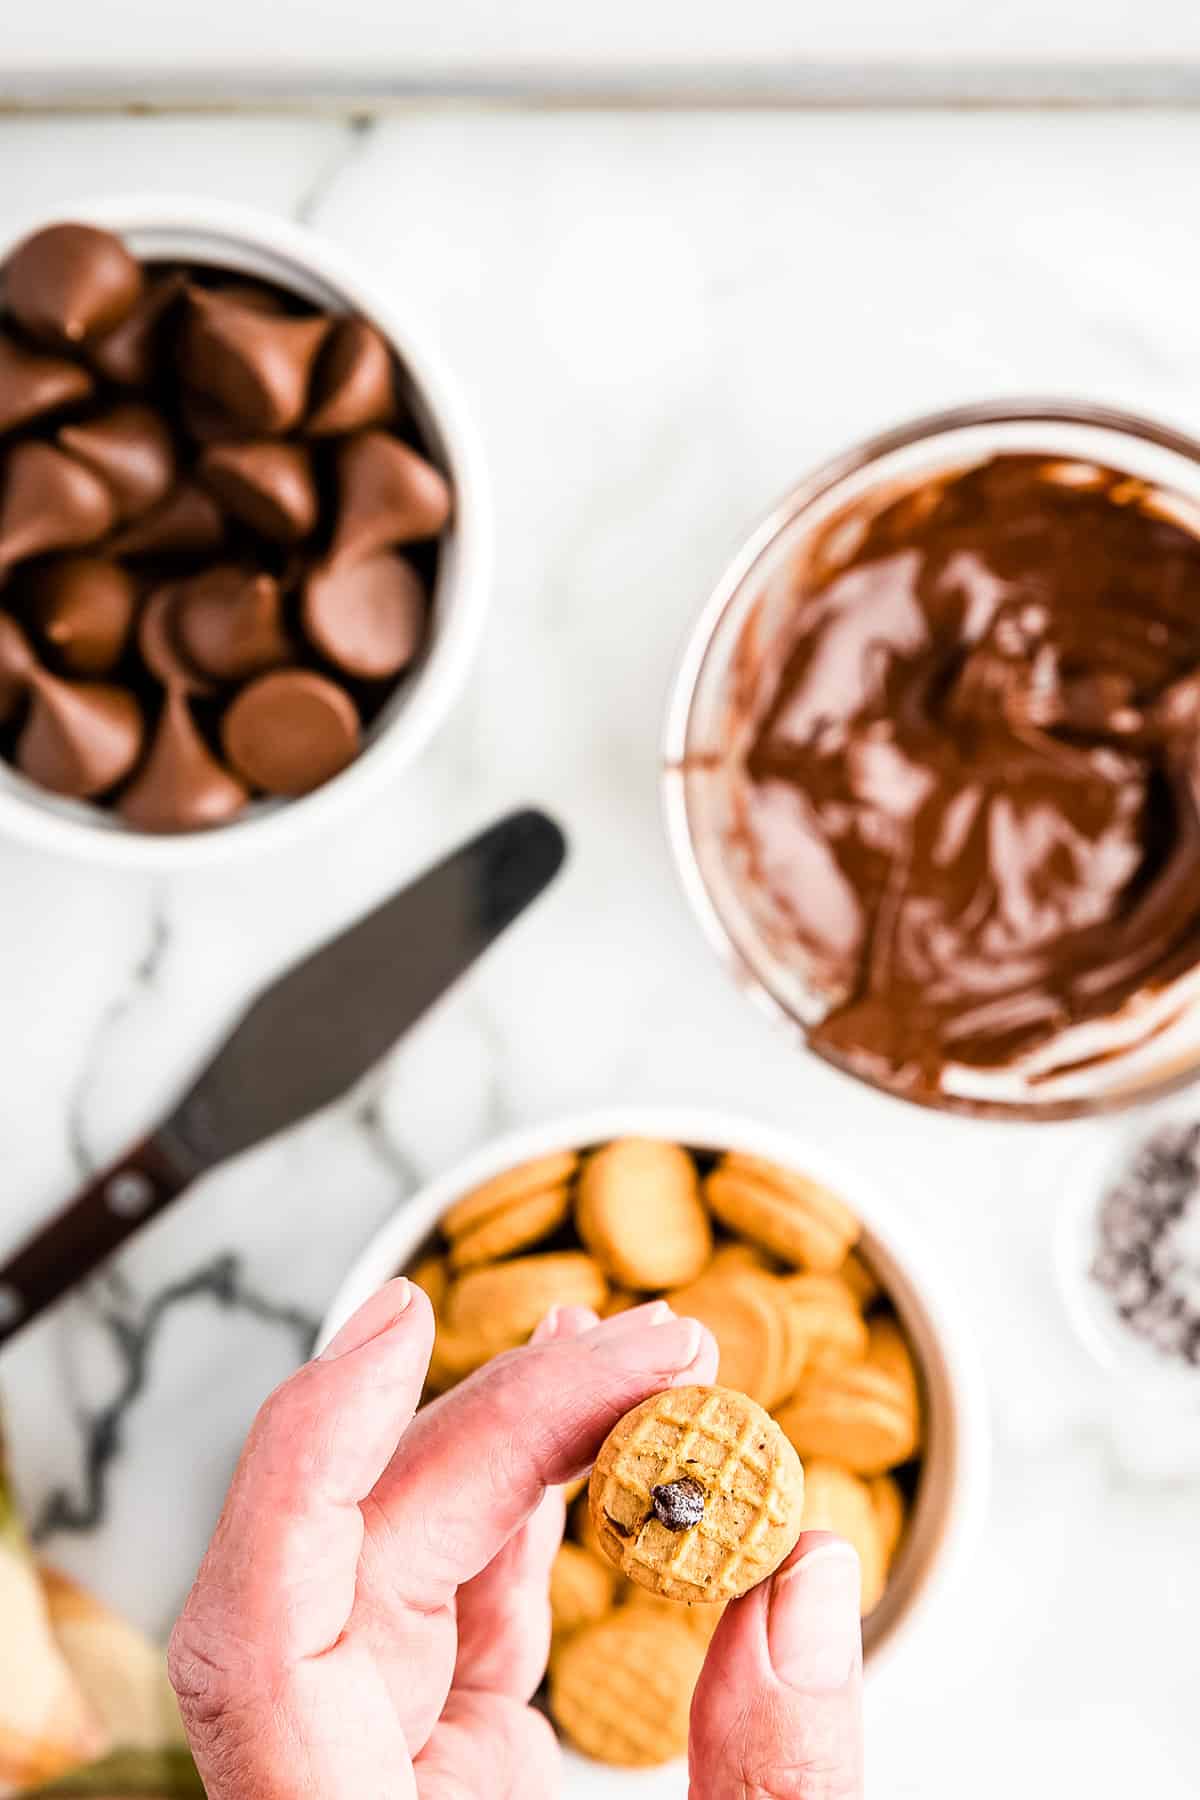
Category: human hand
[371,1618]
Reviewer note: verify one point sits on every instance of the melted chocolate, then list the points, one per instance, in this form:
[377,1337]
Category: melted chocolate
[973,788]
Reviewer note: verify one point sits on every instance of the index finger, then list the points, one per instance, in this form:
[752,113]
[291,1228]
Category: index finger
[473,1466]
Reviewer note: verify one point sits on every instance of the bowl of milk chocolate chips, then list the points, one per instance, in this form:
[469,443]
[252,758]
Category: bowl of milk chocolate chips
[933,760]
[242,533]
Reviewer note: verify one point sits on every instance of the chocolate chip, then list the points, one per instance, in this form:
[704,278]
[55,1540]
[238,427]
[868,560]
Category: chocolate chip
[1132,1289]
[1148,1254]
[69,283]
[679,1504]
[250,428]
[1107,1268]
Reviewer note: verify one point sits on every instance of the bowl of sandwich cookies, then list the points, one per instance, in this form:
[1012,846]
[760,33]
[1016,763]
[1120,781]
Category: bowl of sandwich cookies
[848,1396]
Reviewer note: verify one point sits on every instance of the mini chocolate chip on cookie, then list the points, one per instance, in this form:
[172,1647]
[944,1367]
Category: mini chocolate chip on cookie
[679,1504]
[696,1494]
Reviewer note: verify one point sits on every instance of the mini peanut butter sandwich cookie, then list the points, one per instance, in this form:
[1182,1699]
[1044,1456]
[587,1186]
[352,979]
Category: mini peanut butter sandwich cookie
[517,1225]
[736,1255]
[581,1525]
[543,1175]
[740,1311]
[619,1300]
[697,1494]
[583,1588]
[861,1280]
[837,1500]
[854,1414]
[502,1303]
[639,1213]
[888,1349]
[827,1314]
[891,1513]
[794,1217]
[621,1689]
[431,1274]
[456,1354]
[699,1616]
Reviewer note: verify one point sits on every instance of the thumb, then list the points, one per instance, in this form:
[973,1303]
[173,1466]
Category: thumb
[778,1709]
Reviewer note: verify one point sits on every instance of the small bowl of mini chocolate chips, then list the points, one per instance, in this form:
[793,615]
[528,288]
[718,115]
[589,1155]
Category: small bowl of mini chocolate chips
[1129,1252]
[244,533]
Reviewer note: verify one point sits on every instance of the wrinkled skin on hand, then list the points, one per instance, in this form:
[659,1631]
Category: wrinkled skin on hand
[371,1619]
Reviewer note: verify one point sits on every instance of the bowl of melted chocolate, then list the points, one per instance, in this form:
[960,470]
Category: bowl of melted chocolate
[933,760]
[242,532]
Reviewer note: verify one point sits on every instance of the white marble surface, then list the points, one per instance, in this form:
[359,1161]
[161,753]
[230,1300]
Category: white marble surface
[661,322]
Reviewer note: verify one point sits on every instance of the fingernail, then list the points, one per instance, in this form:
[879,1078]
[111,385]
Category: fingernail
[573,1321]
[813,1628]
[651,1312]
[547,1328]
[373,1318]
[662,1348]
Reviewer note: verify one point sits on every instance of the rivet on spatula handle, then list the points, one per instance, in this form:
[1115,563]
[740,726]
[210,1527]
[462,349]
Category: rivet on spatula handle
[109,1211]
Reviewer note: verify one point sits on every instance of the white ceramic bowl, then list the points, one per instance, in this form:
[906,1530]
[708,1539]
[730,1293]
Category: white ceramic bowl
[208,231]
[954,1478]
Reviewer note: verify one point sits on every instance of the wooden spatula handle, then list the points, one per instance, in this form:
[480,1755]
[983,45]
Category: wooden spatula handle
[97,1222]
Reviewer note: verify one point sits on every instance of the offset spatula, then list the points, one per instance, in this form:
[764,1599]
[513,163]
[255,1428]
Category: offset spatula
[300,1045]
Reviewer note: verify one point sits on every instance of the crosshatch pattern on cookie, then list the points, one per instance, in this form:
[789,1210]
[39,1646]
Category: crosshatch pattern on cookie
[742,1501]
[623,1688]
